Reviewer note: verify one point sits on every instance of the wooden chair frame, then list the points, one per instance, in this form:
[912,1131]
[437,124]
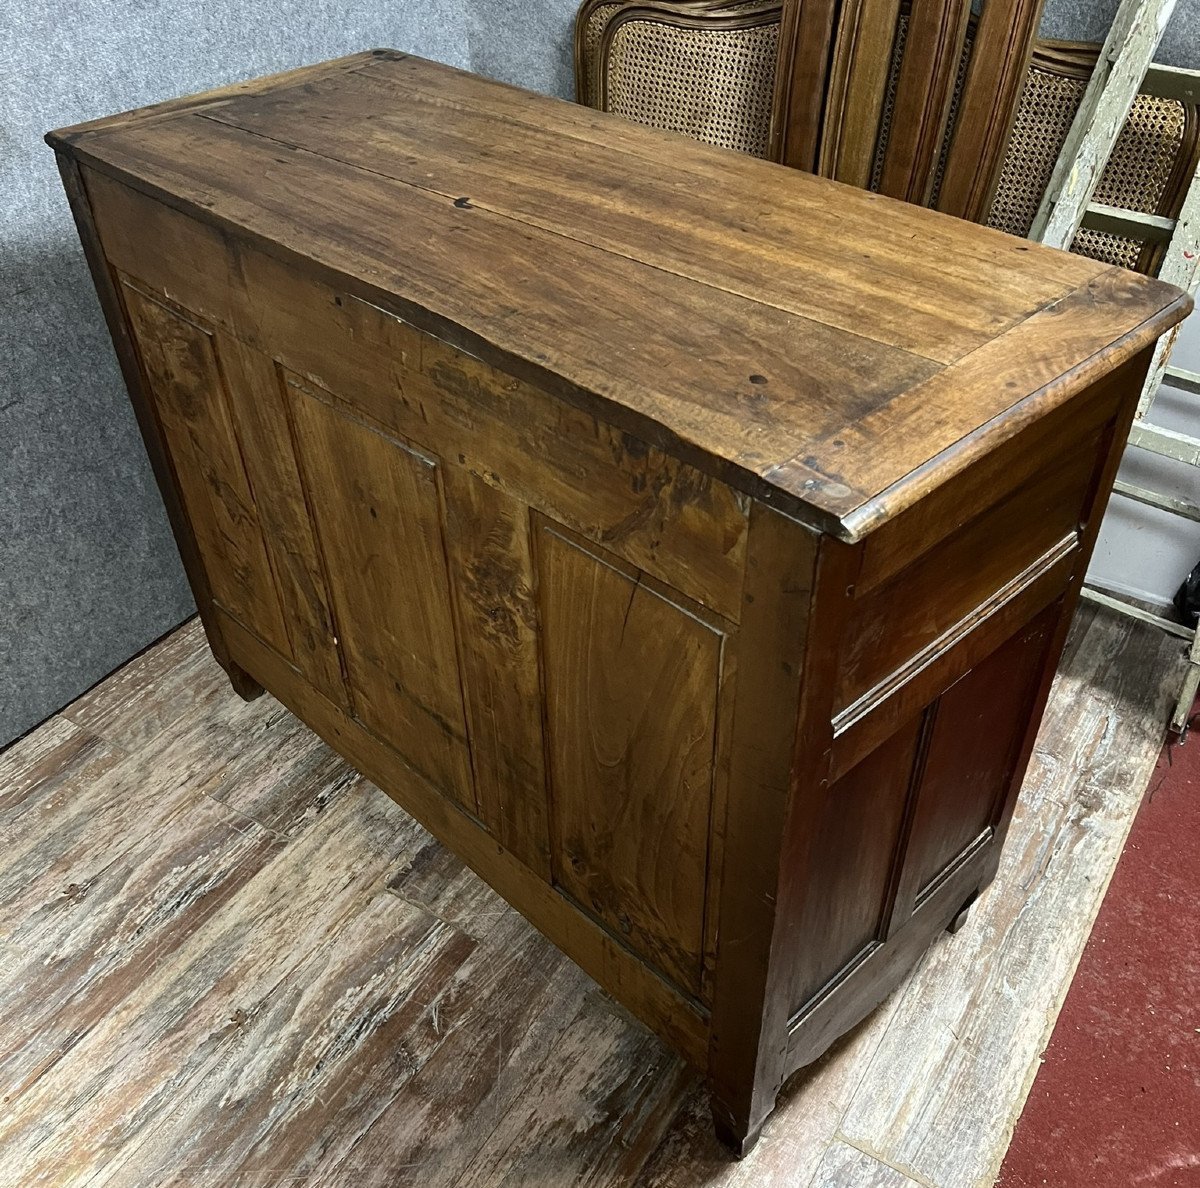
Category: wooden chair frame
[586,87]
[1077,59]
[703,16]
[834,61]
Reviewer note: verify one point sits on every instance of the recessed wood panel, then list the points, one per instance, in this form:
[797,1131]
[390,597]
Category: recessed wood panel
[488,540]
[977,730]
[257,404]
[846,903]
[632,680]
[378,515]
[180,361]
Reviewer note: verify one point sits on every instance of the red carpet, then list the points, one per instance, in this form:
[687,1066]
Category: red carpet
[1117,1100]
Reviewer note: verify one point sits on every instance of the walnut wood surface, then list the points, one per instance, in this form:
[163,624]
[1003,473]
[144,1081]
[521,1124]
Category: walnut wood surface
[928,291]
[661,596]
[190,397]
[377,510]
[632,679]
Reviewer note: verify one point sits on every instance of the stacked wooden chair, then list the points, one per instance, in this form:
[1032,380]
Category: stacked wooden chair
[913,98]
[699,67]
[1152,163]
[937,102]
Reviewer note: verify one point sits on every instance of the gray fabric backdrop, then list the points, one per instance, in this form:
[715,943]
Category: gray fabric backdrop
[88,571]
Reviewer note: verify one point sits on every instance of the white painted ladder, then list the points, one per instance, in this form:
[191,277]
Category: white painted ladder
[1124,69]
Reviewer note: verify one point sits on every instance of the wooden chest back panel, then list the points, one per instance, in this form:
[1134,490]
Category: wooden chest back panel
[378,512]
[179,359]
[262,422]
[535,611]
[661,514]
[489,538]
[632,683]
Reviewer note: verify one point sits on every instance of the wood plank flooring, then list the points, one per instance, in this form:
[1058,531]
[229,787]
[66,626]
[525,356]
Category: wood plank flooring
[228,960]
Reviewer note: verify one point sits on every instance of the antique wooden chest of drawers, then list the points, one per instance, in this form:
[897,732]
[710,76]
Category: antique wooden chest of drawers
[687,542]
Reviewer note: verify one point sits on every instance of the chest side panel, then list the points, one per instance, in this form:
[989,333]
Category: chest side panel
[948,637]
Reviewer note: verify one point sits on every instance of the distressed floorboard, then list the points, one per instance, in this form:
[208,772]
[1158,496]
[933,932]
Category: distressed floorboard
[590,1112]
[229,961]
[93,945]
[435,879]
[76,827]
[497,1018]
[35,767]
[795,1136]
[131,1073]
[843,1166]
[360,1000]
[174,680]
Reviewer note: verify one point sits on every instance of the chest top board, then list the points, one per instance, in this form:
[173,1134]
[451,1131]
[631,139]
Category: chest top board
[686,541]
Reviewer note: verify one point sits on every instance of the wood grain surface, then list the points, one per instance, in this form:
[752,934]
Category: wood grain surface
[632,747]
[231,961]
[729,260]
[192,401]
[378,520]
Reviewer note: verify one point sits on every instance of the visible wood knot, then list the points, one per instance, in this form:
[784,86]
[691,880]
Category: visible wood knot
[758,379]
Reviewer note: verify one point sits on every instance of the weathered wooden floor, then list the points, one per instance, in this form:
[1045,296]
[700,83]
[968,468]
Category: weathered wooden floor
[228,960]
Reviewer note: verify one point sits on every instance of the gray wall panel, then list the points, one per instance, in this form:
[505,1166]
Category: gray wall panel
[527,43]
[1089,20]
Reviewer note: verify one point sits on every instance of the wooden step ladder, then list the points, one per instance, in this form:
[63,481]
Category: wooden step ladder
[1124,70]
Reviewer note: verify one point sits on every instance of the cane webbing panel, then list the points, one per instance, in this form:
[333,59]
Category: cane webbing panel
[713,84]
[1143,173]
[593,17]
